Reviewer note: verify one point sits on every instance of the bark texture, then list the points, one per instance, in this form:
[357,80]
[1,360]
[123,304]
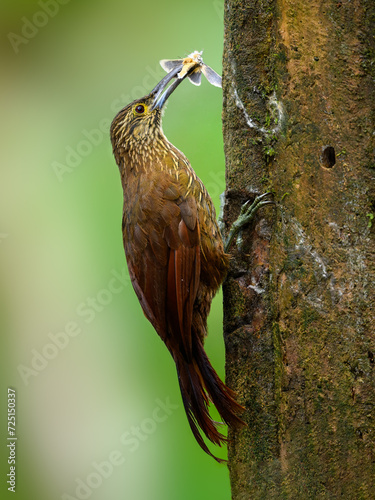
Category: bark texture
[299,115]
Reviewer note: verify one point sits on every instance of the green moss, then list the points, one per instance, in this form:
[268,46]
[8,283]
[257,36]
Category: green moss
[269,151]
[370,219]
[308,317]
[234,301]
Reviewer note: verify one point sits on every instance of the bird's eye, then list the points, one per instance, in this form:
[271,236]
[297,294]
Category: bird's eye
[140,109]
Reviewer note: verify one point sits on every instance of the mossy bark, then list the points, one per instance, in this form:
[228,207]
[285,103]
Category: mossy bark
[298,120]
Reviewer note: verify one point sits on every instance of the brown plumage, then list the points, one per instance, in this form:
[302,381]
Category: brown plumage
[174,252]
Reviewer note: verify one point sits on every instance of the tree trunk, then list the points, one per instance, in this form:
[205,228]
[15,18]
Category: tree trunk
[299,109]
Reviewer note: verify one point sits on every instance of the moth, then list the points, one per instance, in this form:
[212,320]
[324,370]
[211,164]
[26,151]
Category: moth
[194,65]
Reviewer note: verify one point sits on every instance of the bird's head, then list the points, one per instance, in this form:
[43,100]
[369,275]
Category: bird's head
[140,121]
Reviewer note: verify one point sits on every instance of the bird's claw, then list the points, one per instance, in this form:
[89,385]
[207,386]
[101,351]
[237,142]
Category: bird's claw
[247,213]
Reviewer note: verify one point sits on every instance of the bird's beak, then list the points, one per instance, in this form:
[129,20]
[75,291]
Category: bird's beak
[162,91]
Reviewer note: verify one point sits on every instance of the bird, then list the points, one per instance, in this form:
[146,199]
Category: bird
[175,252]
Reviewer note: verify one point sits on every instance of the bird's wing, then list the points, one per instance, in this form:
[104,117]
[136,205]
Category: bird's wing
[163,254]
[183,275]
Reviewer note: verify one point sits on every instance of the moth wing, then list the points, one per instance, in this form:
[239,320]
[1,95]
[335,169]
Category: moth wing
[170,64]
[211,75]
[196,77]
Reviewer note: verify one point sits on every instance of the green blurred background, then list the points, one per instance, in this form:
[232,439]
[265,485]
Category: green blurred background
[67,68]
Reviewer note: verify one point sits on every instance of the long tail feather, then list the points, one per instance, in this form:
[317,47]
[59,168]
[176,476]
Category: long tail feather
[200,384]
[222,396]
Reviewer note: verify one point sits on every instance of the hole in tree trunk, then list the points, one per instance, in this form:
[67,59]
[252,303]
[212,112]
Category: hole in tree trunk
[328,157]
[371,357]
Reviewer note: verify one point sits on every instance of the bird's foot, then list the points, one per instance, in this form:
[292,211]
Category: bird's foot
[246,216]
